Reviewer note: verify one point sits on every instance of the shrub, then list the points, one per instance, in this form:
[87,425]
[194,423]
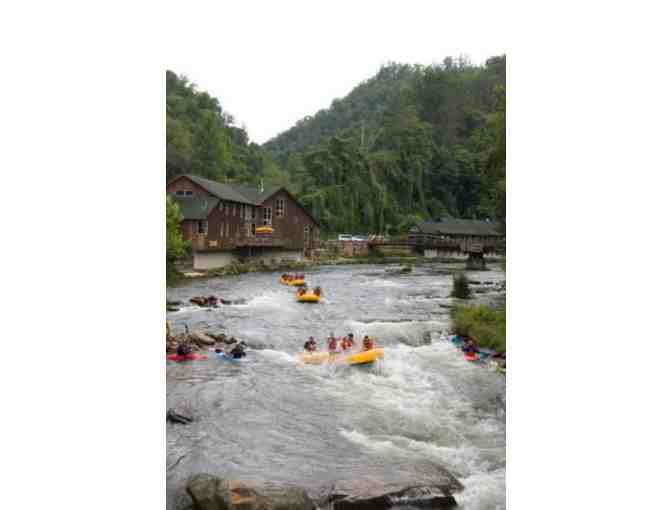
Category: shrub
[460,286]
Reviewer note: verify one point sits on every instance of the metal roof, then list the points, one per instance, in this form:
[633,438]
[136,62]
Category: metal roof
[455,226]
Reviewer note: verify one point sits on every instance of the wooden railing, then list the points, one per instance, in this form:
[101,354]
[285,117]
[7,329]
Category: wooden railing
[201,243]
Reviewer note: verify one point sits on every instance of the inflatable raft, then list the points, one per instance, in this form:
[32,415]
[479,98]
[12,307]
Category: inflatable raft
[356,358]
[294,283]
[472,357]
[188,357]
[308,297]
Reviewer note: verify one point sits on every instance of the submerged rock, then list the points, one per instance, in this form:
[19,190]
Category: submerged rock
[209,492]
[175,417]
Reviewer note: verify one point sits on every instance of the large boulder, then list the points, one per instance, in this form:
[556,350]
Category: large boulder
[370,496]
[210,492]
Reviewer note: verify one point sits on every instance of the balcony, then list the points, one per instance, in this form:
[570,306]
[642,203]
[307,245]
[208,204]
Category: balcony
[200,243]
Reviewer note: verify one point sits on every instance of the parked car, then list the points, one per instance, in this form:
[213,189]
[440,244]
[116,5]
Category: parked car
[344,237]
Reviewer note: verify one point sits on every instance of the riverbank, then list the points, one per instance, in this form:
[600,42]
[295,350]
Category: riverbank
[238,268]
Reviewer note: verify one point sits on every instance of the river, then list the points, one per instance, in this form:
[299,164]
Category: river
[420,412]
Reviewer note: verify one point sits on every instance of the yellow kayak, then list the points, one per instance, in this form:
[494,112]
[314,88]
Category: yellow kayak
[308,298]
[296,283]
[356,358]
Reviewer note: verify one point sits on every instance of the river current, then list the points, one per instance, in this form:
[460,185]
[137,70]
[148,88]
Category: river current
[421,412]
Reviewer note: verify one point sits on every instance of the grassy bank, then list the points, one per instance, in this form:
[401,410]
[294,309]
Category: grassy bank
[485,325]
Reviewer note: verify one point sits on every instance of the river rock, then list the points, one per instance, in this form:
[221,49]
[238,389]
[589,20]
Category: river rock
[178,417]
[209,492]
[367,496]
[203,338]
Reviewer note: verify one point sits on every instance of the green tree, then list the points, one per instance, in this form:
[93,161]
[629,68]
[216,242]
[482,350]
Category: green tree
[176,247]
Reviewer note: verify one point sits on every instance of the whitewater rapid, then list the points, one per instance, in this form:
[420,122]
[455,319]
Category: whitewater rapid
[420,412]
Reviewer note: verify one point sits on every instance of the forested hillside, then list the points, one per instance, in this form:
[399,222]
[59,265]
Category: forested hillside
[201,138]
[410,144]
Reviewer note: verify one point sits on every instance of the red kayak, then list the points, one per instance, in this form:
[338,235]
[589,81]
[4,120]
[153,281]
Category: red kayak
[471,357]
[188,357]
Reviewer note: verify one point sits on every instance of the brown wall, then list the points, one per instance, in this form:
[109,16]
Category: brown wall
[291,225]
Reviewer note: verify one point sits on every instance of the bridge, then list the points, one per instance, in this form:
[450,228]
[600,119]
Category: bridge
[447,237]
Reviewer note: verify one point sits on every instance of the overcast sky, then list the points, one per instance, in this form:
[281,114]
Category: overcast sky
[271,65]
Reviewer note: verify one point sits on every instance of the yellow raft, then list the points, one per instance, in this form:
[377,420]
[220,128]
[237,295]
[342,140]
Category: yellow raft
[295,283]
[357,358]
[308,298]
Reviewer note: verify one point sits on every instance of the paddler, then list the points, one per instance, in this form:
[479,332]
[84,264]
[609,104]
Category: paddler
[346,343]
[238,351]
[183,349]
[310,345]
[367,343]
[332,345]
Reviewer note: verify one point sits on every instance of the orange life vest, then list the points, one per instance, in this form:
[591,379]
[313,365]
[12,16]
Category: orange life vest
[333,343]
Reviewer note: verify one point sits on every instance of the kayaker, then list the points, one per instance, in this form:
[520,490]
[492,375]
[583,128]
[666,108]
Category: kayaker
[332,344]
[310,345]
[183,349]
[367,343]
[470,347]
[238,351]
[317,291]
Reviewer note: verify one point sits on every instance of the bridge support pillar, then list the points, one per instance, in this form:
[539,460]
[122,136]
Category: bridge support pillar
[475,262]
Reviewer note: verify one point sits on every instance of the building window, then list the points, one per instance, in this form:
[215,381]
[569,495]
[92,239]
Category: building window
[227,229]
[226,208]
[254,229]
[268,217]
[179,193]
[248,212]
[203,227]
[306,232]
[239,210]
[187,193]
[248,229]
[280,207]
[221,230]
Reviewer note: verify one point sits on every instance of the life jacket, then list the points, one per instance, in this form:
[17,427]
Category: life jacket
[368,344]
[333,344]
[346,343]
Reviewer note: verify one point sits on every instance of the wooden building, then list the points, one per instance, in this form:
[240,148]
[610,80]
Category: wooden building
[453,237]
[221,221]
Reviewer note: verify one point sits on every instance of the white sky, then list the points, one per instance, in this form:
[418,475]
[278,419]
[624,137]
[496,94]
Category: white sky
[270,64]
